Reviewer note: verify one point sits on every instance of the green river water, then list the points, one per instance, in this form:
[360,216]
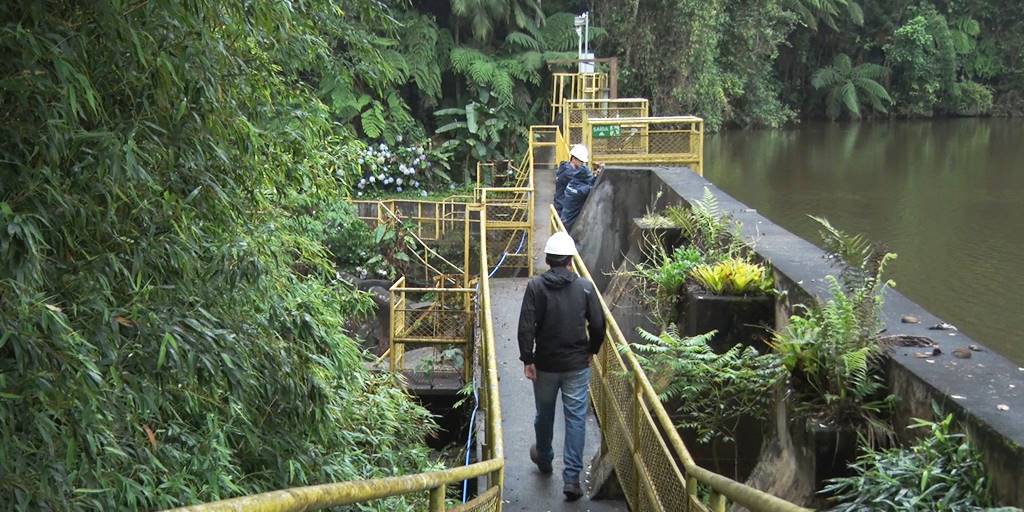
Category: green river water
[946,195]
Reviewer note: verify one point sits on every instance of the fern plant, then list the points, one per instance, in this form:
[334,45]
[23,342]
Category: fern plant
[832,350]
[713,392]
[705,227]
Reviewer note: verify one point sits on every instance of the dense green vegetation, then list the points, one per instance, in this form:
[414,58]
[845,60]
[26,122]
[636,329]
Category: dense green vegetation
[172,328]
[764,63]
[940,471]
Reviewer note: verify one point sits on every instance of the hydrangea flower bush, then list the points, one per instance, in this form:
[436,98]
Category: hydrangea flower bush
[403,168]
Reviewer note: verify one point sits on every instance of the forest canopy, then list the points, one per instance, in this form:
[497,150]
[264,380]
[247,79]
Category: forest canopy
[765,63]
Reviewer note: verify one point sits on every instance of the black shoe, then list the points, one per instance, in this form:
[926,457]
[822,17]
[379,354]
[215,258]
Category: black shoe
[572,491]
[544,467]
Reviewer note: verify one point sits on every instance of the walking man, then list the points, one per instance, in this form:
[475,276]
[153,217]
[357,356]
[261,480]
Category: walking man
[561,326]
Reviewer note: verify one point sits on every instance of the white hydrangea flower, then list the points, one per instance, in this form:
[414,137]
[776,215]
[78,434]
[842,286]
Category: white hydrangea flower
[381,176]
[423,193]
[398,138]
[373,179]
[399,189]
[398,181]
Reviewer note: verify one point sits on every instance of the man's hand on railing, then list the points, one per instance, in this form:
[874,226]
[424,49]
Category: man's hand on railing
[598,168]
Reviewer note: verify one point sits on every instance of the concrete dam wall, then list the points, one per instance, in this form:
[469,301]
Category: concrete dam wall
[985,392]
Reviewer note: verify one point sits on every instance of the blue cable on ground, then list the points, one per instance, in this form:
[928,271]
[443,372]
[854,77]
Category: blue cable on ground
[469,442]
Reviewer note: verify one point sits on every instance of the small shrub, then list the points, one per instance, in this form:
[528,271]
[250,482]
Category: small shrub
[832,350]
[410,168]
[940,472]
[972,99]
[708,230]
[663,275]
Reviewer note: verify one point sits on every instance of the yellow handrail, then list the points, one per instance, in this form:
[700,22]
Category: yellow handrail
[315,497]
[645,140]
[617,349]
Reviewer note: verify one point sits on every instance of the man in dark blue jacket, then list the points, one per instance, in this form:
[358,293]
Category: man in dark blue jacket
[561,326]
[573,182]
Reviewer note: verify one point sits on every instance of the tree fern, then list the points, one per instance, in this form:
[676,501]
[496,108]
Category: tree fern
[373,121]
[522,40]
[420,42]
[849,87]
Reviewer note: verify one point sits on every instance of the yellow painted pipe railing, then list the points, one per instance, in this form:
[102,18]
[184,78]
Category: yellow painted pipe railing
[646,140]
[652,463]
[571,86]
[577,111]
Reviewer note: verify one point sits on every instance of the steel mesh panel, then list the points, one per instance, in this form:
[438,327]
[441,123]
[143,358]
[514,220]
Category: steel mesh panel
[487,501]
[667,483]
[670,142]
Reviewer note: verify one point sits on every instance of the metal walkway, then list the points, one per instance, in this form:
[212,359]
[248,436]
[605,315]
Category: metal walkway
[525,488]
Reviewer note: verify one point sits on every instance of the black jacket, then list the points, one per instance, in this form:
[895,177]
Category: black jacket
[561,323]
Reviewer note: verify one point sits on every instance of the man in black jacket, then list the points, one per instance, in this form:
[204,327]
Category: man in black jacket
[561,326]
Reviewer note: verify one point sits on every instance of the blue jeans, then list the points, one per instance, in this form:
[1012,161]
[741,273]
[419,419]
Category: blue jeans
[575,400]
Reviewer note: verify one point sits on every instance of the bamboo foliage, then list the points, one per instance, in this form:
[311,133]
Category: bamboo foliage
[158,344]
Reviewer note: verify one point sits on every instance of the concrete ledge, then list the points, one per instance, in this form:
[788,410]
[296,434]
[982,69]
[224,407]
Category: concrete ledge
[971,388]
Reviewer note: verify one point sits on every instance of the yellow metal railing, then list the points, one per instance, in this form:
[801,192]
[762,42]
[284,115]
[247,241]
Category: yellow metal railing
[651,462]
[547,136]
[646,140]
[576,86]
[577,111]
[431,319]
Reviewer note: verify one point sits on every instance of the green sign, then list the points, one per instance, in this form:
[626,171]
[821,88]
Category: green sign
[606,131]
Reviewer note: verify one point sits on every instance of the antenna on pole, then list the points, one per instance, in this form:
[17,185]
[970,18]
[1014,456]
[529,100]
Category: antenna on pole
[582,24]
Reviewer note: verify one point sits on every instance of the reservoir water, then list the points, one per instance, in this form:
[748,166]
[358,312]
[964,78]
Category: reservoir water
[946,195]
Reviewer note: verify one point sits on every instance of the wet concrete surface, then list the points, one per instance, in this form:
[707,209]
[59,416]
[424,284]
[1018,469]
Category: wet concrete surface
[526,489]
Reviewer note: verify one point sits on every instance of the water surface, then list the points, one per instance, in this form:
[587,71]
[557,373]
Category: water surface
[946,195]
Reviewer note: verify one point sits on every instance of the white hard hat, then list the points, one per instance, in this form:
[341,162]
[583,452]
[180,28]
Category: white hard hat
[560,244]
[580,152]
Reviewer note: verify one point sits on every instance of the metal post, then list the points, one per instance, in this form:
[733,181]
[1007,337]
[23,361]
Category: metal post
[437,499]
[718,502]
[700,149]
[613,77]
[691,491]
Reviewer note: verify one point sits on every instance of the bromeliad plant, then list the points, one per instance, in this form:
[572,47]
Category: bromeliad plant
[733,276]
